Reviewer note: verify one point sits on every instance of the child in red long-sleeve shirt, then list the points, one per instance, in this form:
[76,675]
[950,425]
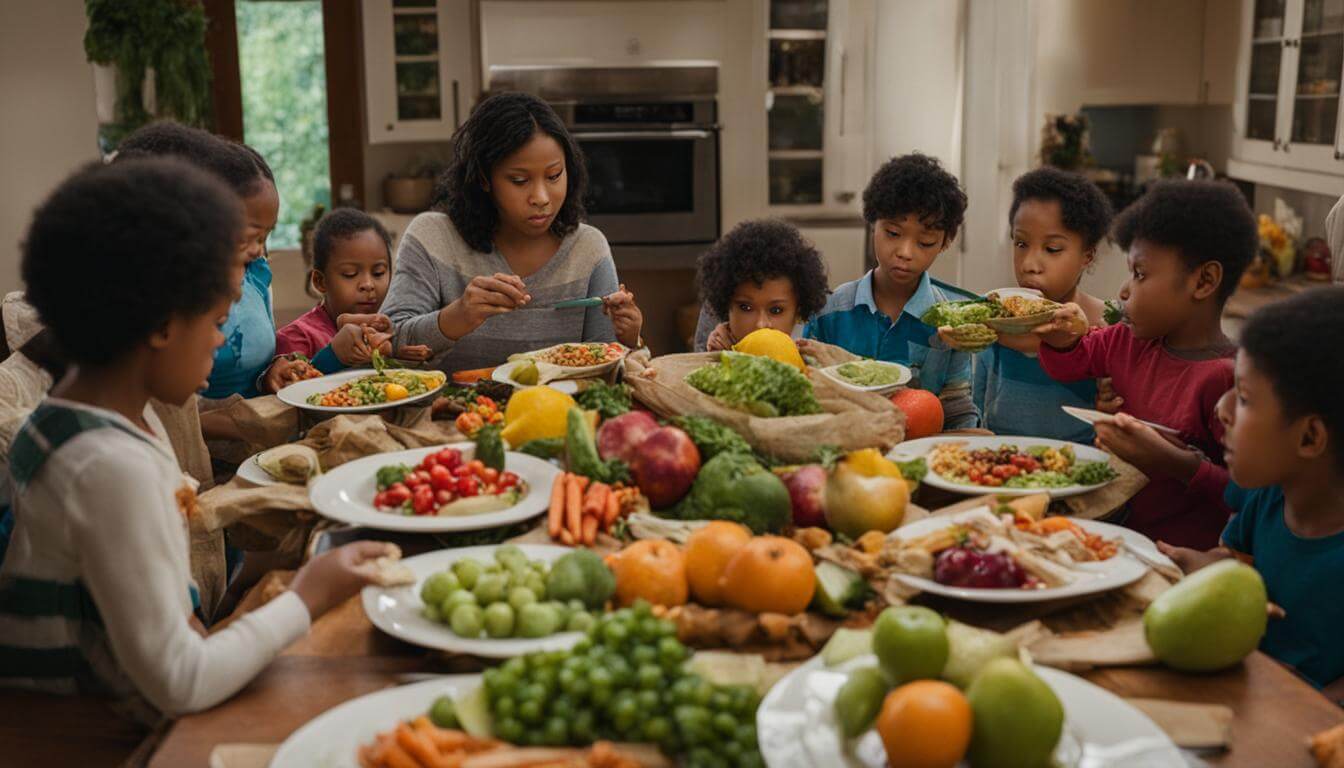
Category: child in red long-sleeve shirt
[1188,243]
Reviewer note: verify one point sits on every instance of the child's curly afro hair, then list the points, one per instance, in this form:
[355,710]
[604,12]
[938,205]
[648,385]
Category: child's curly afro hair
[916,184]
[757,251]
[1082,206]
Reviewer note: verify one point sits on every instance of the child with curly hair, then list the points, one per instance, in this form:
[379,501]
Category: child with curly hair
[762,274]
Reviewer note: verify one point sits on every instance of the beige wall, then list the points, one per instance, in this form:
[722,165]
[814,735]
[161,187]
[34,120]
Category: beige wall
[48,127]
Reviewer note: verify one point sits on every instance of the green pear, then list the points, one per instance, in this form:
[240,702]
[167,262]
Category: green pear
[1018,719]
[1209,620]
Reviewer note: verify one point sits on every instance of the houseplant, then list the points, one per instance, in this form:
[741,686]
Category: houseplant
[159,41]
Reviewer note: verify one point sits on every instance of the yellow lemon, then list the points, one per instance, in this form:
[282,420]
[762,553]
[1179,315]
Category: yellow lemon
[395,392]
[773,344]
[870,462]
[535,413]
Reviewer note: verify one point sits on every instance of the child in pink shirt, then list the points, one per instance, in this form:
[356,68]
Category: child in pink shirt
[352,266]
[1188,243]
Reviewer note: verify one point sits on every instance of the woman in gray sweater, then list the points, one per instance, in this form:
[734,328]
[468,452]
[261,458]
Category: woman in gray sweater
[476,279]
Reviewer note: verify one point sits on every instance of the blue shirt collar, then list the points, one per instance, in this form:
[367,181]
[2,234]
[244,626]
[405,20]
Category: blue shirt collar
[924,297]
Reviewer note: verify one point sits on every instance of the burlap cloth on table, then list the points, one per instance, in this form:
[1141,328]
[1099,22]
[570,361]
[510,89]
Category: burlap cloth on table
[852,420]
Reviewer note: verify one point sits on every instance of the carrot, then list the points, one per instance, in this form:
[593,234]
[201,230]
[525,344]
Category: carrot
[396,757]
[566,537]
[595,501]
[574,506]
[418,746]
[612,511]
[1053,524]
[472,376]
[557,508]
[366,757]
[589,530]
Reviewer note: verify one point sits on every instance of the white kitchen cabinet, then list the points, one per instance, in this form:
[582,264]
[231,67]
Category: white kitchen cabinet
[819,88]
[418,68]
[1286,118]
[842,248]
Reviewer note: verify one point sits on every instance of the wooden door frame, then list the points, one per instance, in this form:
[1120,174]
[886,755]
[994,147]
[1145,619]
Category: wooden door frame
[345,103]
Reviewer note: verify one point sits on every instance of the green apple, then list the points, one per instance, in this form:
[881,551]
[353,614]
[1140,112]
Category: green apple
[1209,620]
[1018,719]
[911,643]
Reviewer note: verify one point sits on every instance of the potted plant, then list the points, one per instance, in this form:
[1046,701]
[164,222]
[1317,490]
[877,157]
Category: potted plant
[151,55]
[412,190]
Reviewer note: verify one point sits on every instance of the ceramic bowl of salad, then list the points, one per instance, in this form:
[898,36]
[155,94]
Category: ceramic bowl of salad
[869,375]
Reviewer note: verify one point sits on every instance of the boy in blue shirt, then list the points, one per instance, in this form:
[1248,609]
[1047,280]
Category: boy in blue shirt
[914,208]
[1284,439]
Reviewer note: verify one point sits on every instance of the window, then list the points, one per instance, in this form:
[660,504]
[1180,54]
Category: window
[282,67]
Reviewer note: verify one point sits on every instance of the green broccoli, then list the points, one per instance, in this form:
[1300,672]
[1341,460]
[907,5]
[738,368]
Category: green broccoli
[391,475]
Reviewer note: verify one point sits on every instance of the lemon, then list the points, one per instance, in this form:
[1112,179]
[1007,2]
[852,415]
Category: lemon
[870,462]
[535,413]
[395,392]
[776,345]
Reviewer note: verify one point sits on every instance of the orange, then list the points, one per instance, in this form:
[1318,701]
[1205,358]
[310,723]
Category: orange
[769,574]
[923,412]
[925,724]
[708,551]
[651,569]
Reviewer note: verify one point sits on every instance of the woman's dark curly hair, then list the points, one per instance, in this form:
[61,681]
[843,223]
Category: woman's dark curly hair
[760,250]
[916,184]
[236,164]
[499,126]
[342,224]
[118,250]
[1082,206]
[1203,220]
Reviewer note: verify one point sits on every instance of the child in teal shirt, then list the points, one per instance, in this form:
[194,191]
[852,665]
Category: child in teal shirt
[1284,422]
[914,208]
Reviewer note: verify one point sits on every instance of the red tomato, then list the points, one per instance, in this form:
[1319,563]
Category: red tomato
[489,475]
[397,495]
[975,475]
[429,462]
[380,499]
[466,486]
[441,478]
[507,479]
[476,465]
[423,476]
[423,502]
[449,457]
[1005,471]
[992,481]
[462,470]
[443,497]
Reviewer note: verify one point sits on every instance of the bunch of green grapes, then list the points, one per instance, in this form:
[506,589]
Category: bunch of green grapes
[624,682]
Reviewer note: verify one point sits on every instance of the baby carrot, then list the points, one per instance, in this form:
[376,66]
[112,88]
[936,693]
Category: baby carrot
[573,505]
[612,511]
[589,530]
[418,746]
[595,501]
[396,757]
[566,537]
[557,508]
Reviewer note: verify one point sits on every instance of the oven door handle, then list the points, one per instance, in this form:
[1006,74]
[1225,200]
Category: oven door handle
[651,135]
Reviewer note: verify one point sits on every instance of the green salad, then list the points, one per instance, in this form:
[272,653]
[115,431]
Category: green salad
[756,384]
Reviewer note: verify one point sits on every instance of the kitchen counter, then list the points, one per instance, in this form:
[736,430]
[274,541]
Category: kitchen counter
[1245,301]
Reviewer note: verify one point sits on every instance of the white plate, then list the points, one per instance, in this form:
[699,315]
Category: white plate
[331,739]
[1092,417]
[501,374]
[396,611]
[297,394]
[904,376]
[797,728]
[346,493]
[913,449]
[569,371]
[251,472]
[1090,578]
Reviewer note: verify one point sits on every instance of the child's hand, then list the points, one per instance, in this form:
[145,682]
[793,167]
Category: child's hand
[1108,401]
[485,297]
[721,339]
[625,316]
[1141,445]
[376,321]
[351,346]
[1065,328]
[414,353]
[333,577]
[282,373]
[1191,560]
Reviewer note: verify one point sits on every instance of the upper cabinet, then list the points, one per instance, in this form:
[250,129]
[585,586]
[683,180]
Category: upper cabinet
[1287,113]
[418,68]
[817,104]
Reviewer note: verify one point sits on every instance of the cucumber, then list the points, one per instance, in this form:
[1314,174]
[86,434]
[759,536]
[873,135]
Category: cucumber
[837,589]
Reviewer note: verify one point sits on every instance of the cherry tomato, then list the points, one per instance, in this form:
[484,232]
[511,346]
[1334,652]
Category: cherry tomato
[380,499]
[423,476]
[429,462]
[397,495]
[423,502]
[1005,471]
[449,457]
[490,475]
[443,497]
[507,479]
[462,470]
[992,481]
[441,478]
[975,475]
[466,486]
[476,465]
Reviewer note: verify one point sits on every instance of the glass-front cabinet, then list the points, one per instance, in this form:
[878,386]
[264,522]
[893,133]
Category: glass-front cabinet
[417,68]
[1288,109]
[816,103]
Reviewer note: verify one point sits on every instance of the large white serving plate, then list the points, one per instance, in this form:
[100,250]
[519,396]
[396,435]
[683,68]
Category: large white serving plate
[297,394]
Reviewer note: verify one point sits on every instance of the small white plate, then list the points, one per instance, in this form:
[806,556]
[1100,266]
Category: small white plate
[396,611]
[1092,417]
[333,738]
[251,472]
[297,394]
[346,493]
[797,727]
[1090,578]
[921,448]
[904,375]
[501,374]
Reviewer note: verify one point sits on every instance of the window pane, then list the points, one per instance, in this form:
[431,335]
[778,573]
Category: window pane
[1265,59]
[797,62]
[795,121]
[415,35]
[284,81]
[798,14]
[1268,18]
[795,181]
[1322,16]
[1261,115]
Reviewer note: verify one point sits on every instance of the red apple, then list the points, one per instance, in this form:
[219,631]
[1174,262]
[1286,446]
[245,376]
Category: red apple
[619,437]
[807,495]
[664,466]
